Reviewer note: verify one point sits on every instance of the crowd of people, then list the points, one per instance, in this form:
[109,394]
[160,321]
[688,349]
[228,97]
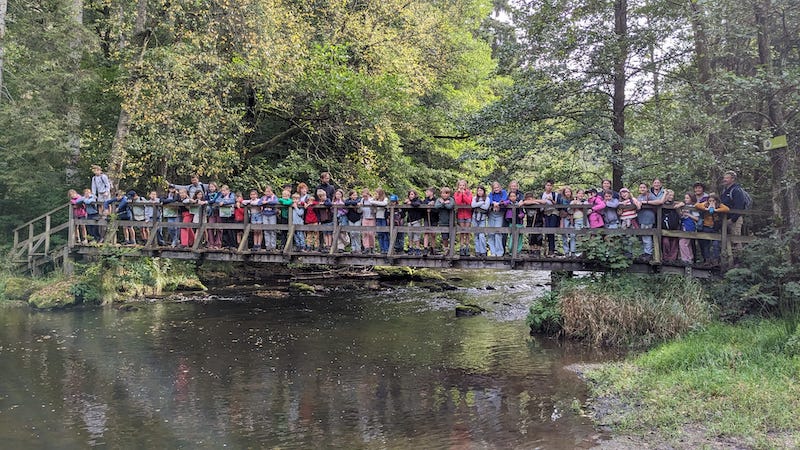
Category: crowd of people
[493,206]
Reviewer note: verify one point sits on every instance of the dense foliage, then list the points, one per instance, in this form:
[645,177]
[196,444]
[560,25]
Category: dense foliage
[765,282]
[395,93]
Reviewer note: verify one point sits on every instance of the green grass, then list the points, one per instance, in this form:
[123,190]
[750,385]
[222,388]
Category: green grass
[734,380]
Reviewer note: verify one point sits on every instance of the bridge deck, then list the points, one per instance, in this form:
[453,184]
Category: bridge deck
[521,262]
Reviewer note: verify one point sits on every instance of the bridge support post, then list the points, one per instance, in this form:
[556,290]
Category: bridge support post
[67,265]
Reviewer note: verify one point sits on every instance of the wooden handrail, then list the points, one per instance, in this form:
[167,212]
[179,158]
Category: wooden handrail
[49,213]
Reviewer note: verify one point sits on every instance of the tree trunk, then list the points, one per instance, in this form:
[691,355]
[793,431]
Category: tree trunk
[782,192]
[73,108]
[3,8]
[618,107]
[116,160]
[703,61]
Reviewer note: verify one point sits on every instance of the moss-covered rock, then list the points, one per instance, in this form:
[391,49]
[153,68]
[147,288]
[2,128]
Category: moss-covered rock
[468,309]
[407,273]
[55,295]
[302,288]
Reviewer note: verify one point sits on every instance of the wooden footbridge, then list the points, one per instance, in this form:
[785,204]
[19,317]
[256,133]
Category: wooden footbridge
[51,241]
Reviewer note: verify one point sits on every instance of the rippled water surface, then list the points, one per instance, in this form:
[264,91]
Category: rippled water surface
[355,367]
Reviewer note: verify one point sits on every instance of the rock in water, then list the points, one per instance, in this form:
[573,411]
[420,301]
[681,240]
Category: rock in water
[468,309]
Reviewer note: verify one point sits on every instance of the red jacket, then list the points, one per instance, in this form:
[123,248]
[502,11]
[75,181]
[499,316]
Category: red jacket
[464,198]
[311,213]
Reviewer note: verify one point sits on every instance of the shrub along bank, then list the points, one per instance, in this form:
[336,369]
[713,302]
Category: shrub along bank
[115,277]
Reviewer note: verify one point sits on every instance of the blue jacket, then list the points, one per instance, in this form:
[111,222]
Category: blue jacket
[498,197]
[89,201]
[733,198]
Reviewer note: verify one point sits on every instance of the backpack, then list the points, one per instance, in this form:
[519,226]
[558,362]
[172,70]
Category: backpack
[748,201]
[671,220]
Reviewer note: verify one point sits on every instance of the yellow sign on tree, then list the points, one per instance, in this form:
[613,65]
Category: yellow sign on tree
[775,143]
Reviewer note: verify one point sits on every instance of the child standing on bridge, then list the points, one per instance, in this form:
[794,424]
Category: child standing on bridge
[712,223]
[92,213]
[297,219]
[445,204]
[254,208]
[269,216]
[78,212]
[431,220]
[367,220]
[354,214]
[463,198]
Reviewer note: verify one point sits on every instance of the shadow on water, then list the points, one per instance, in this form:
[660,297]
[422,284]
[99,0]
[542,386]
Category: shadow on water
[354,368]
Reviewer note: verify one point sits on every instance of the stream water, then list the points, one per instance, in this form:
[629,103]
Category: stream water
[356,367]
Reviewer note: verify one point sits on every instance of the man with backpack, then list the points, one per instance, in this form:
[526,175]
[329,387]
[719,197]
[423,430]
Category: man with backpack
[734,197]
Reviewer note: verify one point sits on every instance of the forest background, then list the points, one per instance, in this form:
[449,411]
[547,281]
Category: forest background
[397,93]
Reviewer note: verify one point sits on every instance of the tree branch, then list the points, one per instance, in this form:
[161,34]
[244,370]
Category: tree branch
[275,140]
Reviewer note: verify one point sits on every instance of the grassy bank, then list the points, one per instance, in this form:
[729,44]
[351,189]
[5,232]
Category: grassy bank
[740,383]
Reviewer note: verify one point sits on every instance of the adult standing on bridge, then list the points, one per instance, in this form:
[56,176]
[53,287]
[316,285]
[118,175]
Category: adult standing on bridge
[325,185]
[733,197]
[606,185]
[191,189]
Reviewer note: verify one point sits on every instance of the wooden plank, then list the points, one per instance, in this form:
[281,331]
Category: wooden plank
[154,229]
[245,238]
[657,236]
[201,233]
[725,244]
[30,240]
[392,231]
[47,233]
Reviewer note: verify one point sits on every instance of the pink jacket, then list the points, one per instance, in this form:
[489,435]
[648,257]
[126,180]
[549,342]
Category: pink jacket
[595,218]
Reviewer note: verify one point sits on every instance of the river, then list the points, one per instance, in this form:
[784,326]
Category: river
[358,366]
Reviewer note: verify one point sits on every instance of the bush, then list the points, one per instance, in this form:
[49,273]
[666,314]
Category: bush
[792,345]
[631,309]
[544,315]
[607,252]
[765,283]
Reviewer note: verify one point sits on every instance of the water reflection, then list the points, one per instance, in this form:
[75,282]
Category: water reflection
[355,369]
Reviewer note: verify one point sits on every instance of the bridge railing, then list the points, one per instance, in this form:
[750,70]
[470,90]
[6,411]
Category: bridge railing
[38,239]
[159,228]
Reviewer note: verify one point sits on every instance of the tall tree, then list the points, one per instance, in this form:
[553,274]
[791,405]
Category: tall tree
[118,152]
[3,10]
[620,77]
